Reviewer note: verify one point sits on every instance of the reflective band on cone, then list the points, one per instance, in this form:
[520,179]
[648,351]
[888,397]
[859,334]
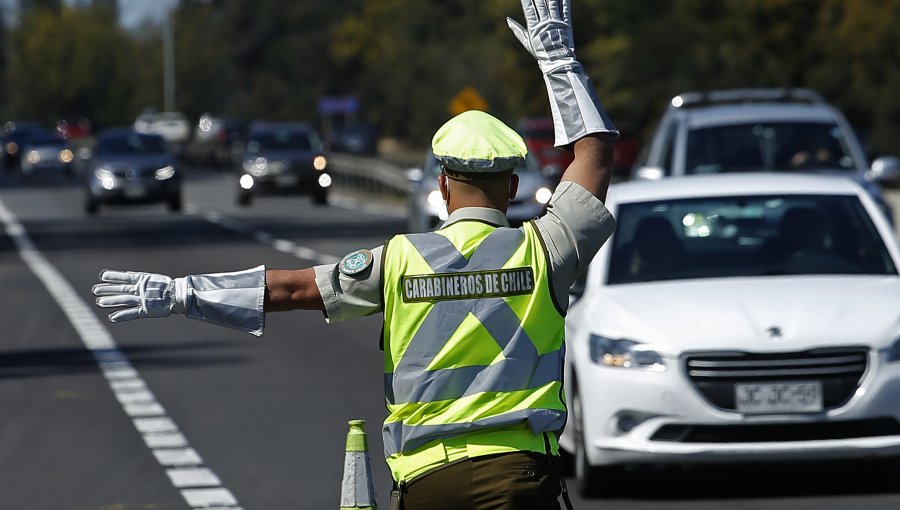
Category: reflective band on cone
[357,487]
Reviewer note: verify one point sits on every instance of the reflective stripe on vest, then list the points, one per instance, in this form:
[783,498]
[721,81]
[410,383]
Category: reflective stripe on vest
[435,292]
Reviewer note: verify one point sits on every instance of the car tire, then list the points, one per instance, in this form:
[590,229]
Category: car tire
[244,199]
[320,197]
[91,207]
[590,481]
[174,203]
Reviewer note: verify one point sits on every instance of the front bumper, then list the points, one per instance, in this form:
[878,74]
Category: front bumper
[669,421]
[135,191]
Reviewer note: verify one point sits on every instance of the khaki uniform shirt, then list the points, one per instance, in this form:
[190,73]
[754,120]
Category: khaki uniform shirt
[574,227]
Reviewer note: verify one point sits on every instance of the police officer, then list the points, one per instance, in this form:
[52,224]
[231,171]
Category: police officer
[473,333]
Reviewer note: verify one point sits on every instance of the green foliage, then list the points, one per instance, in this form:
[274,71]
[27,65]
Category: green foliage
[407,59]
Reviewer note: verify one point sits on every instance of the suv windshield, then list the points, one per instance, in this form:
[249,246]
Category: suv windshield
[746,236]
[133,144]
[282,140]
[763,146]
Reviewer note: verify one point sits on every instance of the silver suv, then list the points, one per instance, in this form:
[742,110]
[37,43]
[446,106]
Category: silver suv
[760,130]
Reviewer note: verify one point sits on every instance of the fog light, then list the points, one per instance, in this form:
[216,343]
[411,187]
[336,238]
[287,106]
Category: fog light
[246,181]
[325,180]
[33,157]
[626,423]
[543,196]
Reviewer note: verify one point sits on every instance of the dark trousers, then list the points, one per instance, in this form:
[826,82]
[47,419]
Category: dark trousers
[507,481]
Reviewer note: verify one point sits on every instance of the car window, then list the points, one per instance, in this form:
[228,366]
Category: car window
[133,144]
[792,146]
[284,139]
[745,236]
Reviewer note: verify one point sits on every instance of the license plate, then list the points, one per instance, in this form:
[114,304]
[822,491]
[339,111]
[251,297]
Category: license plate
[788,397]
[287,180]
[135,191]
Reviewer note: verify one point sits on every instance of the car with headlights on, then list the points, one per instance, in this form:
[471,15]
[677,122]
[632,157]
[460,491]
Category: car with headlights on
[735,318]
[46,154]
[761,130]
[127,167]
[283,157]
[426,208]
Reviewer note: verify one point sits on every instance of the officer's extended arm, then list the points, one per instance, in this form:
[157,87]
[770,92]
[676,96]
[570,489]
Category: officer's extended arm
[237,300]
[579,120]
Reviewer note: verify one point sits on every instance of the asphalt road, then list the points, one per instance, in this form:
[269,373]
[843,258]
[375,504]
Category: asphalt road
[262,421]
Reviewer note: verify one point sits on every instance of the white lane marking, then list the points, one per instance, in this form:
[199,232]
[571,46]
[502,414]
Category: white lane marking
[281,245]
[193,477]
[124,381]
[209,498]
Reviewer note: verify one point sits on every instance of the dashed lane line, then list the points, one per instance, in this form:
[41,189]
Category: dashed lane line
[262,237]
[199,486]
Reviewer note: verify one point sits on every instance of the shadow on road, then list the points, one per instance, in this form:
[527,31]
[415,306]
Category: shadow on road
[757,481]
[54,362]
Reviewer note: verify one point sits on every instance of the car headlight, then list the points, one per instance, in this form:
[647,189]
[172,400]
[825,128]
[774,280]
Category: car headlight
[12,148]
[246,181]
[624,354]
[66,156]
[106,178]
[324,180]
[166,172]
[256,167]
[320,163]
[33,157]
[543,195]
[893,352]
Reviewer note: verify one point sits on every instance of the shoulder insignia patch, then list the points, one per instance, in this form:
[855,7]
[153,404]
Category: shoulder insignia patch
[355,262]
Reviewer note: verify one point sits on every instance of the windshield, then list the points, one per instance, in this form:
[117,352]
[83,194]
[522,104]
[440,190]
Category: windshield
[134,144]
[767,147]
[746,236]
[283,140]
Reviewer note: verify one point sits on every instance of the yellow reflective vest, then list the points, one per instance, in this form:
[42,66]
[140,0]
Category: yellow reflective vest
[473,346]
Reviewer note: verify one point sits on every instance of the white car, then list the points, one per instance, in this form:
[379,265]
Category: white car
[734,318]
[174,127]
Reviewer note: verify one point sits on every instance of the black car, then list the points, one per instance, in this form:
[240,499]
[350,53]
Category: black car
[128,167]
[354,138]
[285,157]
[17,136]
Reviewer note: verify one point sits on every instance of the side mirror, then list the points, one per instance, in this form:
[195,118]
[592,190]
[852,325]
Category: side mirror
[648,173]
[885,170]
[415,175]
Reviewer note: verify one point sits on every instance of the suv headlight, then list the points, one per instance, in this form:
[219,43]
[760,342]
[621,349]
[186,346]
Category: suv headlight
[543,196]
[625,354]
[166,172]
[319,163]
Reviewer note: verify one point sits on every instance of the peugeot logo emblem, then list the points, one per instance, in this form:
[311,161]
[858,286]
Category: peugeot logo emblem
[774,332]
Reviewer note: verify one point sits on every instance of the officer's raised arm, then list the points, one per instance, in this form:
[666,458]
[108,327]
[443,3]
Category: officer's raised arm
[579,120]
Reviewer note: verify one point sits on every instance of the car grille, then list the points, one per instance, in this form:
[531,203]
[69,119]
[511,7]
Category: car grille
[839,371]
[777,432]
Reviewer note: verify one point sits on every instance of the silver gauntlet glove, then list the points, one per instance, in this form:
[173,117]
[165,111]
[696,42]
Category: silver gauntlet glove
[233,300]
[576,110]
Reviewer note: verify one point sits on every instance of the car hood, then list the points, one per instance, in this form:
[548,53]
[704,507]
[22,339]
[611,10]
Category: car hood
[740,313]
[137,160]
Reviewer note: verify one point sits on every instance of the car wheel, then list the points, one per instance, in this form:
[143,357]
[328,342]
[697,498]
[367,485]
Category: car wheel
[91,207]
[174,203]
[244,199]
[590,481]
[320,197]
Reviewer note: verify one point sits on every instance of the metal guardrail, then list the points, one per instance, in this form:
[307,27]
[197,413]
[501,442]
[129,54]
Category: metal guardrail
[369,176]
